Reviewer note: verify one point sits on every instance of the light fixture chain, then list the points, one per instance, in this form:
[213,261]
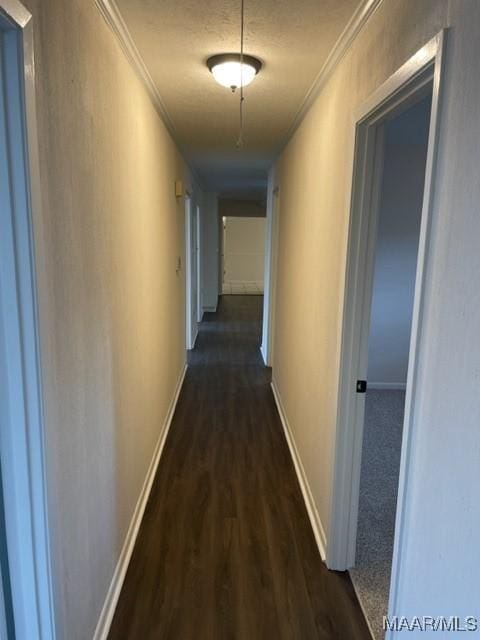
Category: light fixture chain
[242,20]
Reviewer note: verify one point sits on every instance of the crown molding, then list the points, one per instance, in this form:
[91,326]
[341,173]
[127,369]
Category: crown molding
[113,18]
[115,21]
[361,15]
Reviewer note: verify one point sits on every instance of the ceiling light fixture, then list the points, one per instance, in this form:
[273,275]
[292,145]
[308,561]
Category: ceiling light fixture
[235,70]
[229,70]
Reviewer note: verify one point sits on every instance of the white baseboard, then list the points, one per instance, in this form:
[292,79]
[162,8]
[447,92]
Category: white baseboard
[209,309]
[195,336]
[394,386]
[106,615]
[313,514]
[264,355]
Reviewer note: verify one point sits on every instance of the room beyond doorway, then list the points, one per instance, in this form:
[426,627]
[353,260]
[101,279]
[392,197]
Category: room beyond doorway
[398,232]
[243,255]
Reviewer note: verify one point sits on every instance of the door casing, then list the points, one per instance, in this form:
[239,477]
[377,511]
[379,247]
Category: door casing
[420,74]
[191,272]
[199,264]
[22,445]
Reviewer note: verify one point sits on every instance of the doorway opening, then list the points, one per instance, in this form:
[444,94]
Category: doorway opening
[389,213]
[192,279]
[26,595]
[243,255]
[404,152]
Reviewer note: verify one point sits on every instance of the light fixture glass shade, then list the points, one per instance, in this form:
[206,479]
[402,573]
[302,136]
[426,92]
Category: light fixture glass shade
[229,72]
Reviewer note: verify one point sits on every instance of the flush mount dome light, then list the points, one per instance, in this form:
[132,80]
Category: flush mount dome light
[228,70]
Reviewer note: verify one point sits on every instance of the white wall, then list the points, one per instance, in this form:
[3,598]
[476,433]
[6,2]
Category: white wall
[244,249]
[210,251]
[439,552]
[396,252]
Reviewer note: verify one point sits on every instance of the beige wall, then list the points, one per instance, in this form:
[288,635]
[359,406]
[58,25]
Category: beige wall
[111,304]
[243,249]
[313,180]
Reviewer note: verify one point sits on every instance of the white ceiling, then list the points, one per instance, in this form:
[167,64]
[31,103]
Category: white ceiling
[293,39]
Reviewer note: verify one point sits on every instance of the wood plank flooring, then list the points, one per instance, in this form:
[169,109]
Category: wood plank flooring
[225,550]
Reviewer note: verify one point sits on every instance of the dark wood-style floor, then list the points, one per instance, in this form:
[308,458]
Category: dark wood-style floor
[225,550]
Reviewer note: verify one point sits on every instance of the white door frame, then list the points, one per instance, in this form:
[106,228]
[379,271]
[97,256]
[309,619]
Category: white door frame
[199,267]
[21,403]
[191,259]
[270,271]
[3,614]
[222,241]
[188,272]
[420,72]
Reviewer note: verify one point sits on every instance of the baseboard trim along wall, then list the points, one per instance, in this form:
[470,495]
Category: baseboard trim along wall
[210,309]
[263,351]
[313,514]
[106,616]
[393,386]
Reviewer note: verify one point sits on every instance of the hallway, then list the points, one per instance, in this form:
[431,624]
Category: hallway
[225,549]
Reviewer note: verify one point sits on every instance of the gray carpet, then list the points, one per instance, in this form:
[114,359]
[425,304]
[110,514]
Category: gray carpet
[378,497]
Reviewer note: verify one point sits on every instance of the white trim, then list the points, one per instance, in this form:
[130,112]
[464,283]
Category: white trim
[3,615]
[189,328]
[404,85]
[384,386]
[437,53]
[270,269]
[113,18]
[358,20]
[264,355]
[210,309]
[199,267]
[315,521]
[192,260]
[195,336]
[22,432]
[108,610]
[16,12]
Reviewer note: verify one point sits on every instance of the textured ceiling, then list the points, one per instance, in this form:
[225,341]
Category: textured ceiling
[293,39]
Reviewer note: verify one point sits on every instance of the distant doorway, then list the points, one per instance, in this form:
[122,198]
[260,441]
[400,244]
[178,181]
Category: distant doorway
[243,255]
